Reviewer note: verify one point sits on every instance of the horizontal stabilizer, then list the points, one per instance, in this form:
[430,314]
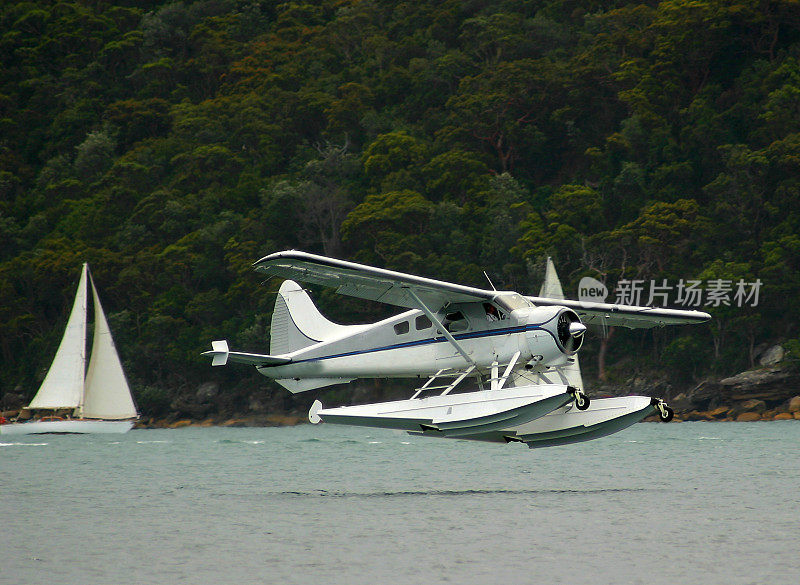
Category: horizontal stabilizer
[221,355]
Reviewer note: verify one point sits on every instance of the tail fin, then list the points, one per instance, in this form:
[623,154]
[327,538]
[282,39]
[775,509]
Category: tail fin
[297,323]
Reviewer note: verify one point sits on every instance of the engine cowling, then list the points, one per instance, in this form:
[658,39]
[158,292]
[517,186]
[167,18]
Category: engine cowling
[569,331]
[554,334]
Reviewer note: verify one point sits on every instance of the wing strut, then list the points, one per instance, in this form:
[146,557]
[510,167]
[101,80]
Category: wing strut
[502,381]
[439,326]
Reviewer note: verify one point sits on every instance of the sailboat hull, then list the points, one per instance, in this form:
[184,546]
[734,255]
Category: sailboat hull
[63,427]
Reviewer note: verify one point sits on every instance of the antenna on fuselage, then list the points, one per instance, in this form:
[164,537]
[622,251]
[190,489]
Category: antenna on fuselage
[490,281]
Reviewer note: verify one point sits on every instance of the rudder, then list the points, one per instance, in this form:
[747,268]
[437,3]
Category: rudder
[297,323]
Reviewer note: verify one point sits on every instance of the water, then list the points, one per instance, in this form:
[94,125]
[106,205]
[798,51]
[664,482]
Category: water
[680,503]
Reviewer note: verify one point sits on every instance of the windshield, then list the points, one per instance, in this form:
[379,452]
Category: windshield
[511,302]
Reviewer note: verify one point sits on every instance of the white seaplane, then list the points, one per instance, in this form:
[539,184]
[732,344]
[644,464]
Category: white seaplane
[521,350]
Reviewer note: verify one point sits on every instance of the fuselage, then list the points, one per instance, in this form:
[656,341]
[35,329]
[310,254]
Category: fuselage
[410,344]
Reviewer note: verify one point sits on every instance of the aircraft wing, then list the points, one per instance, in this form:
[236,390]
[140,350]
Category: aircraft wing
[633,317]
[367,282]
[388,286]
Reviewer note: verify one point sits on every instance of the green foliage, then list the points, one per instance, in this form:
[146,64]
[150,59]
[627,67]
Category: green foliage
[171,144]
[792,356]
[153,400]
[686,356]
[390,224]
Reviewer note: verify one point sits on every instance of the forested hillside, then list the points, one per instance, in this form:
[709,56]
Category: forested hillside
[172,144]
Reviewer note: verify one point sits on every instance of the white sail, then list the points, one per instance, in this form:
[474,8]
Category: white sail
[63,385]
[107,394]
[551,288]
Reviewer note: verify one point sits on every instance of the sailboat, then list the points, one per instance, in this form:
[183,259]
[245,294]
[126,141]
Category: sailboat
[73,399]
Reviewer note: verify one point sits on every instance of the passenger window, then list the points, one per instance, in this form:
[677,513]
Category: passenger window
[423,322]
[401,328]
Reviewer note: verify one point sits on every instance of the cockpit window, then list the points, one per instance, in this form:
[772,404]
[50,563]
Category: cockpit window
[492,313]
[511,302]
[455,321]
[401,328]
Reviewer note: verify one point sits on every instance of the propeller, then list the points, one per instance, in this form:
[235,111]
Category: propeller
[570,331]
[576,329]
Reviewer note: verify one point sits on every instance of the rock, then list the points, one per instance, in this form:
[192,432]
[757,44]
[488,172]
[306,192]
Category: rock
[283,420]
[256,404]
[796,415]
[694,415]
[207,391]
[754,378]
[794,404]
[681,403]
[772,356]
[748,417]
[180,424]
[753,405]
[783,416]
[759,349]
[719,412]
[705,396]
[13,400]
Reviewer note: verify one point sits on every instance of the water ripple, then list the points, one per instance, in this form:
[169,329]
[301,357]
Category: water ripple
[23,444]
[456,493]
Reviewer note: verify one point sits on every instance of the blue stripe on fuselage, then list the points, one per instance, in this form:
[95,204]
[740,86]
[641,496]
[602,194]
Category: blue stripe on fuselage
[471,335]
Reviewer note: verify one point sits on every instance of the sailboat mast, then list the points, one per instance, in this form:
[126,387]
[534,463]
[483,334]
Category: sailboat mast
[78,412]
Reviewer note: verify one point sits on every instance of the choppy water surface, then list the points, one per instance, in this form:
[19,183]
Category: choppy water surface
[679,503]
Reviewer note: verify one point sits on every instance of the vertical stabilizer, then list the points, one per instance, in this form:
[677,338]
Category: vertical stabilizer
[297,323]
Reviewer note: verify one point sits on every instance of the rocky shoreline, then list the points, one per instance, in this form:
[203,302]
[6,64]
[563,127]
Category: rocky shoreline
[770,392]
[271,420]
[749,410]
[765,394]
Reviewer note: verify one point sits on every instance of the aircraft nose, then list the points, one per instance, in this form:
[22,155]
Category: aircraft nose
[576,329]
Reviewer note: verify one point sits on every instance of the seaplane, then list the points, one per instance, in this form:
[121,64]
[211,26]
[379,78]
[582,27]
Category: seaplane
[498,366]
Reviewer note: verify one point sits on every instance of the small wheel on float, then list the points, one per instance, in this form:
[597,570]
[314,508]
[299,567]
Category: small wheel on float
[581,401]
[665,413]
